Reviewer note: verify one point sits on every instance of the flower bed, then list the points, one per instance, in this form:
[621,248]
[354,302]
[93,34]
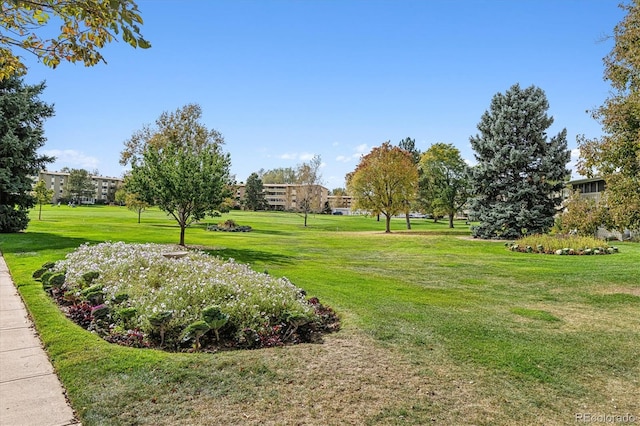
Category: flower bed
[229,226]
[561,245]
[132,294]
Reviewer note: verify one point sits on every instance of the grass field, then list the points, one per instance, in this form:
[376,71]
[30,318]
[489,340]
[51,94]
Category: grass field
[437,328]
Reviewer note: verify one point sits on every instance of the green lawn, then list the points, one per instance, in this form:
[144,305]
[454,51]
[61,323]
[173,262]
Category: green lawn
[437,327]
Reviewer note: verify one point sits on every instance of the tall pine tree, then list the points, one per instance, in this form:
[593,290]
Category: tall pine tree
[22,116]
[254,198]
[520,172]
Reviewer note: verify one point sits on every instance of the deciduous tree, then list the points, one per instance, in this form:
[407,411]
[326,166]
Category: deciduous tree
[43,195]
[340,200]
[79,185]
[616,156]
[444,181]
[86,26]
[282,175]
[583,215]
[179,166]
[383,181]
[21,135]
[520,172]
[135,204]
[308,191]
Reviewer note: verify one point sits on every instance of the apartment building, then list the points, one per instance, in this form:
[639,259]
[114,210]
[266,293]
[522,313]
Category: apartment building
[287,197]
[593,188]
[589,188]
[105,187]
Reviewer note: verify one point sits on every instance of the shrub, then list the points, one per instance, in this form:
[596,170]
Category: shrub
[89,277]
[216,319]
[195,331]
[44,268]
[100,312]
[44,278]
[56,280]
[93,294]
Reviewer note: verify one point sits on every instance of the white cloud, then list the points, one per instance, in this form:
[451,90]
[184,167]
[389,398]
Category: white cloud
[72,159]
[306,156]
[470,163]
[573,162]
[360,150]
[288,156]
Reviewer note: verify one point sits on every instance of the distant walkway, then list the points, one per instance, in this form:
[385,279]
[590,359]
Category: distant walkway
[30,392]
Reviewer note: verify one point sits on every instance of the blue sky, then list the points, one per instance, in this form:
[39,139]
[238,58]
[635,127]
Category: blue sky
[283,80]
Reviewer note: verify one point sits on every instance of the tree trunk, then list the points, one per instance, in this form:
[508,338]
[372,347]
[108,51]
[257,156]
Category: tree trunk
[388,220]
[40,212]
[182,228]
[139,212]
[406,215]
[450,220]
[305,219]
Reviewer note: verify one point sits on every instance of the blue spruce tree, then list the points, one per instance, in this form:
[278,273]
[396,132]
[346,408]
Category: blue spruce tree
[520,172]
[22,116]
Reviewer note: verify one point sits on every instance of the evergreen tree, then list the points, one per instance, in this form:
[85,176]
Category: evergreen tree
[409,145]
[21,134]
[520,173]
[253,194]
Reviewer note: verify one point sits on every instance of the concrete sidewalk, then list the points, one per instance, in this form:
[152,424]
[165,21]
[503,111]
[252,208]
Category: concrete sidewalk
[30,392]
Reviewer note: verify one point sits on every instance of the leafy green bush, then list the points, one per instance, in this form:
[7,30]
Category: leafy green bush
[561,245]
[45,268]
[56,280]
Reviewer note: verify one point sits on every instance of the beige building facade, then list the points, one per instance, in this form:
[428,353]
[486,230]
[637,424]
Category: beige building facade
[105,187]
[288,197]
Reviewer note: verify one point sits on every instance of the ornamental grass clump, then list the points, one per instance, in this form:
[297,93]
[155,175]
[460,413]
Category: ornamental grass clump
[162,297]
[562,245]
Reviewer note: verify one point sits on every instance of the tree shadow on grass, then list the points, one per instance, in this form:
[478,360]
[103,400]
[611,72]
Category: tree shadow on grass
[251,256]
[22,242]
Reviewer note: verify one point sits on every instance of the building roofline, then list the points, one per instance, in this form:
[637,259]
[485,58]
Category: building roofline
[586,180]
